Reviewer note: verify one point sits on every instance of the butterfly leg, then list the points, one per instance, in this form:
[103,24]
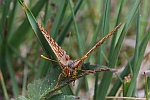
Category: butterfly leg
[61,74]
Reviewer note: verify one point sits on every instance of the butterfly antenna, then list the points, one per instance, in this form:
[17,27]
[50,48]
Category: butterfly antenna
[42,56]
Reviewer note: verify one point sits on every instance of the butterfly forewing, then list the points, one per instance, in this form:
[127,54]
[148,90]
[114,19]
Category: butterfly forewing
[59,52]
[102,40]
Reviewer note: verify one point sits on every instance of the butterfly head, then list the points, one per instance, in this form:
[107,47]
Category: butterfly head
[72,66]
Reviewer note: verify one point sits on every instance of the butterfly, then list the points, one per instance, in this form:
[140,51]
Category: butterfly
[70,67]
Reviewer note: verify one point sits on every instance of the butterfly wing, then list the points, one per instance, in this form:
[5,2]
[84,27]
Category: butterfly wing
[102,40]
[79,62]
[59,52]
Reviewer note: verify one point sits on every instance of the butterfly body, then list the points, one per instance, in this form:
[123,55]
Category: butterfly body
[69,67]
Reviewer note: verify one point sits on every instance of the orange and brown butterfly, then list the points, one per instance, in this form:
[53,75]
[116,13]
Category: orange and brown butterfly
[70,67]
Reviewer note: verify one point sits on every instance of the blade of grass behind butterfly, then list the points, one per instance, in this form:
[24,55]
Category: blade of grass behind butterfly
[137,59]
[79,44]
[58,19]
[136,55]
[6,58]
[102,48]
[43,66]
[114,57]
[93,42]
[9,64]
[24,27]
[95,36]
[91,9]
[148,86]
[46,12]
[144,18]
[91,45]
[3,86]
[114,37]
[126,71]
[105,30]
[37,31]
[42,71]
[12,16]
[134,59]
[3,35]
[5,10]
[77,31]
[68,22]
[42,40]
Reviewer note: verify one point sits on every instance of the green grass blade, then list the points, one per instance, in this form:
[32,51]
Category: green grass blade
[5,13]
[126,71]
[144,18]
[105,30]
[79,86]
[77,31]
[3,86]
[12,74]
[77,36]
[148,85]
[12,16]
[68,23]
[3,36]
[126,85]
[25,75]
[118,82]
[110,51]
[136,55]
[37,31]
[135,58]
[59,18]
[138,63]
[46,12]
[114,39]
[113,59]
[44,67]
[67,90]
[24,27]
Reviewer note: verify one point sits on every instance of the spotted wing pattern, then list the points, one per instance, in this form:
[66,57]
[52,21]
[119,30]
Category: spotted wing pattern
[59,52]
[102,40]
